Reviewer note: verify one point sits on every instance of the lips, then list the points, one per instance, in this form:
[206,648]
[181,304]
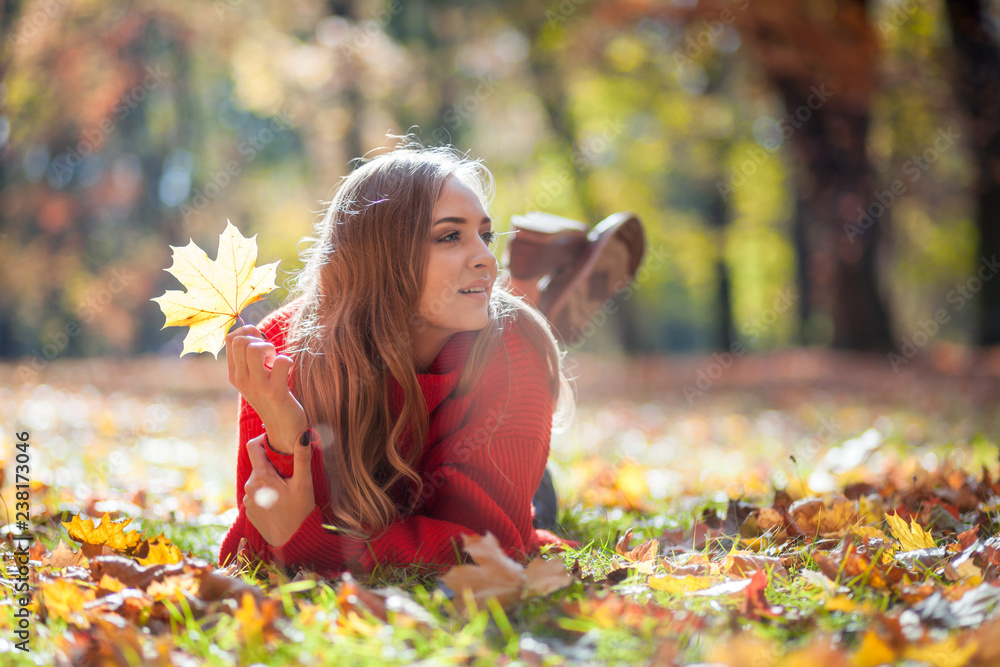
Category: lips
[480,286]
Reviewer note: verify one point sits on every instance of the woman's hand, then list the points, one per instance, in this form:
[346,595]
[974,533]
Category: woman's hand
[261,376]
[274,505]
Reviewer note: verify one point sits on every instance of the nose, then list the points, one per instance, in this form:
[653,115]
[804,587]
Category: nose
[482,257]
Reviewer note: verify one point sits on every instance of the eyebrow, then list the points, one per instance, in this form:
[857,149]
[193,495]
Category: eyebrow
[460,221]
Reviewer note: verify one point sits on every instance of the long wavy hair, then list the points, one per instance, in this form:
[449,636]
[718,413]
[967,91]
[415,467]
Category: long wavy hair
[360,285]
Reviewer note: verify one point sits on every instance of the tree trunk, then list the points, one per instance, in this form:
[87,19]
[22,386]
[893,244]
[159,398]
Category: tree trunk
[977,86]
[821,58]
[824,69]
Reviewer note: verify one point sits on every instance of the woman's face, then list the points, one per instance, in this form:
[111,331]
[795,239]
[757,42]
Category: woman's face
[460,272]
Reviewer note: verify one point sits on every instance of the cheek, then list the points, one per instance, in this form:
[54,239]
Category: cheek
[436,292]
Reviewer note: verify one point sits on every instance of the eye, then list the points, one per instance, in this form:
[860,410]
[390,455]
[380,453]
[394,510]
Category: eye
[489,237]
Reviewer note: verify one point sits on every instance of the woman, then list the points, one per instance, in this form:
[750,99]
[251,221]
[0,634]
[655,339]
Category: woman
[400,396]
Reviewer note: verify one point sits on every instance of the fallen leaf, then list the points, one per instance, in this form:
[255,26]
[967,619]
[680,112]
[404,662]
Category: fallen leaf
[545,576]
[755,604]
[680,585]
[745,563]
[63,556]
[495,575]
[159,550]
[910,537]
[829,517]
[945,653]
[107,533]
[62,598]
[256,618]
[644,552]
[873,652]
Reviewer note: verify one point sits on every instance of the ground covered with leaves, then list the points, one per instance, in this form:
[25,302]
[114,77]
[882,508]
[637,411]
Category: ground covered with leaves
[797,510]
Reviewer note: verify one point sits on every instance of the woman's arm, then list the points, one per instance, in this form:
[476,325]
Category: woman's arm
[472,483]
[463,498]
[251,426]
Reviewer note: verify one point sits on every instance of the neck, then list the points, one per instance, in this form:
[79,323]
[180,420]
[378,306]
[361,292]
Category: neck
[427,347]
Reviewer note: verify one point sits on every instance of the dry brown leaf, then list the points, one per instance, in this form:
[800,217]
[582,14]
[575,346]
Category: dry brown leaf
[63,556]
[496,575]
[647,551]
[745,564]
[829,517]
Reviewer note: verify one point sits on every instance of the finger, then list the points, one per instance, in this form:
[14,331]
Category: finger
[280,368]
[245,330]
[230,363]
[253,331]
[236,342]
[265,471]
[302,470]
[242,371]
[258,457]
[257,356]
[231,352]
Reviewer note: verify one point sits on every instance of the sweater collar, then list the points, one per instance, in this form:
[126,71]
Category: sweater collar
[441,377]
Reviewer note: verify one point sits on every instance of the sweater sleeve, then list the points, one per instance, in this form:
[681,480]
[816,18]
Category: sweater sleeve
[251,426]
[481,478]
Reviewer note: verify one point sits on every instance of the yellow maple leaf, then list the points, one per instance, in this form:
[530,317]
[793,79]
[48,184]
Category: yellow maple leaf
[873,651]
[110,583]
[680,585]
[217,290]
[946,653]
[107,532]
[174,586]
[161,552]
[911,537]
[63,598]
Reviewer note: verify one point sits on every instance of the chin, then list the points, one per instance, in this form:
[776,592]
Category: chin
[475,324]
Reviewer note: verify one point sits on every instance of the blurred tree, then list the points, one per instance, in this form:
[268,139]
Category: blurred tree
[821,59]
[976,68]
[577,108]
[9,10]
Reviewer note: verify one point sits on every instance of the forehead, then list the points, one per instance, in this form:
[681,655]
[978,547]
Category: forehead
[456,194]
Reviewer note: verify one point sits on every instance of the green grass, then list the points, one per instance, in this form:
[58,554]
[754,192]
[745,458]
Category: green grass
[626,623]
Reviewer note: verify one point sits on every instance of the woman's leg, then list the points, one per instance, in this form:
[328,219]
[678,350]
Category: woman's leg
[545,503]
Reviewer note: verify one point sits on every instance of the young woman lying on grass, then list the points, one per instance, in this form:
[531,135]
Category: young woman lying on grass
[401,396]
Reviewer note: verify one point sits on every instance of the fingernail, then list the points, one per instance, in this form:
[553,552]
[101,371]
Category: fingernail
[304,438]
[264,335]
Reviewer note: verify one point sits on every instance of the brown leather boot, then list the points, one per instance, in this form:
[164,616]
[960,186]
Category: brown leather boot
[567,273]
[543,245]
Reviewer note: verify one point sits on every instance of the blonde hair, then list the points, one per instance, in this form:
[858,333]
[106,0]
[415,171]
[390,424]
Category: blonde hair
[360,284]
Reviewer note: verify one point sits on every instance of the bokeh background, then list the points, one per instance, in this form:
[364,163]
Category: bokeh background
[752,137]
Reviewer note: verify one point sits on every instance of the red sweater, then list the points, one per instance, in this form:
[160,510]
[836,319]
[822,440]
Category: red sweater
[468,488]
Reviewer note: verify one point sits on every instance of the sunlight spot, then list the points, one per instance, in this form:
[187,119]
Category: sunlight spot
[265,497]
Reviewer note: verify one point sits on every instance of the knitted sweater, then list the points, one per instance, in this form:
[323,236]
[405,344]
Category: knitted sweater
[467,486]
